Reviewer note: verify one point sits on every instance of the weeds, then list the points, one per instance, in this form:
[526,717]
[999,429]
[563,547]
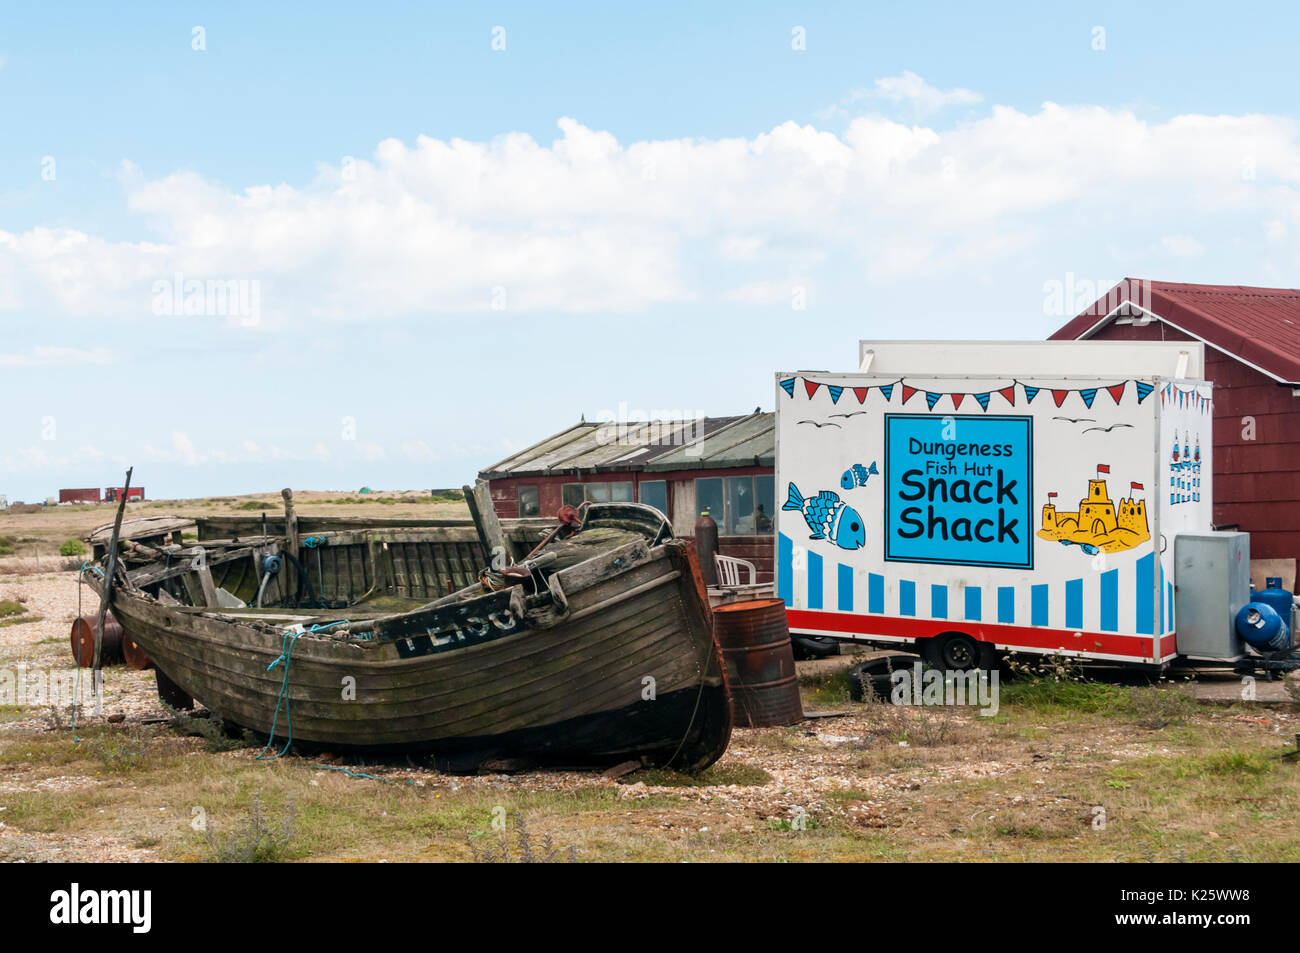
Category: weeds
[500,853]
[255,840]
[72,547]
[121,753]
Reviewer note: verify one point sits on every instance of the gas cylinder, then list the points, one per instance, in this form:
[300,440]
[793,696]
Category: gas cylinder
[706,546]
[1274,596]
[1260,625]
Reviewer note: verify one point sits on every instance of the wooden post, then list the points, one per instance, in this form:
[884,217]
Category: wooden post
[291,547]
[110,571]
[484,513]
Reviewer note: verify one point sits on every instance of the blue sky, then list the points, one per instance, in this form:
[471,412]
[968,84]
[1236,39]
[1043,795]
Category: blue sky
[453,250]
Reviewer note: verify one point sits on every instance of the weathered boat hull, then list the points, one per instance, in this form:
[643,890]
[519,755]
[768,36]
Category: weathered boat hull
[625,667]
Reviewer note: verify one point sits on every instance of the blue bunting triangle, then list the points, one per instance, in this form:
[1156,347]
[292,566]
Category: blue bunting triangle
[1030,393]
[835,391]
[1088,396]
[932,399]
[788,386]
[887,390]
[1144,390]
[983,400]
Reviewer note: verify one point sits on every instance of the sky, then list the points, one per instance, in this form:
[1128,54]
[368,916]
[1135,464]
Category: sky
[336,245]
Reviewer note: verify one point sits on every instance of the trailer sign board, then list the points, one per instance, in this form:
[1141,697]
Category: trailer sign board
[959,490]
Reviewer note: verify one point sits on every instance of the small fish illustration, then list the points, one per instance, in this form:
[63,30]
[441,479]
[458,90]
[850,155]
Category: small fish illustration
[857,475]
[829,517]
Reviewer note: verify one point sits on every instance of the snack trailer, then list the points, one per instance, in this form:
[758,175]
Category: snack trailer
[977,498]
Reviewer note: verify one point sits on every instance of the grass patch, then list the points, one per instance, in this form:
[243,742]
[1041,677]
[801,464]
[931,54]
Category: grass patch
[10,608]
[828,689]
[255,505]
[72,547]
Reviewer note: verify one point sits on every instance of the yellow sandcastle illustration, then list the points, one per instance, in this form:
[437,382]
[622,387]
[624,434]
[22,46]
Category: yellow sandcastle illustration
[1097,523]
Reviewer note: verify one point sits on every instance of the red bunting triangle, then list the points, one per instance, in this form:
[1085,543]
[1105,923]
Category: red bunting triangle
[956,400]
[862,393]
[907,393]
[1059,396]
[1009,394]
[811,387]
[1116,392]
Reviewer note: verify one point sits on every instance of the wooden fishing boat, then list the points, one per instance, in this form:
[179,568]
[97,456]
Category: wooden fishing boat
[596,648]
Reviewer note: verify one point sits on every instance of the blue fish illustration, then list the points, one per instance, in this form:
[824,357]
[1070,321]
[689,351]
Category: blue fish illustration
[857,475]
[829,517]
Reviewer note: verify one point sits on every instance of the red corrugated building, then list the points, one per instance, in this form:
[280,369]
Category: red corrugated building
[111,493]
[726,464]
[1252,354]
[86,495]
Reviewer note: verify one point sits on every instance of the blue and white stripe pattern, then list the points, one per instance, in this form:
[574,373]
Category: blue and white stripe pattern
[1098,602]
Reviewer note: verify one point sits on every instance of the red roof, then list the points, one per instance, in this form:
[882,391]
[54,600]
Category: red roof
[1260,326]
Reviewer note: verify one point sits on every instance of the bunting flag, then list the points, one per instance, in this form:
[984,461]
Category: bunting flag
[1169,394]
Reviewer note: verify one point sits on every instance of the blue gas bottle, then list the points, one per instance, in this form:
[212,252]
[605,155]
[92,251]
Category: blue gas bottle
[1274,596]
[1260,625]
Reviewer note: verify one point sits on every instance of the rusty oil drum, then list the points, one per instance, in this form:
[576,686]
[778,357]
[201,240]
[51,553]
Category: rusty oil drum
[755,641]
[82,639]
[134,655]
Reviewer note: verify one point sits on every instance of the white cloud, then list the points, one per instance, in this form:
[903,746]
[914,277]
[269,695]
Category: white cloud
[909,88]
[588,224]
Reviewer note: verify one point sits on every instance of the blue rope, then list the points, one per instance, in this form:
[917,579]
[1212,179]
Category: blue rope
[286,656]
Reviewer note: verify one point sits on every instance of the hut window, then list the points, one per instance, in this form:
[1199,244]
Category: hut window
[617,492]
[708,496]
[655,493]
[742,505]
[529,504]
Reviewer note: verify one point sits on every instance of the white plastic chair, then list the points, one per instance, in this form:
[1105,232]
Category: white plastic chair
[729,568]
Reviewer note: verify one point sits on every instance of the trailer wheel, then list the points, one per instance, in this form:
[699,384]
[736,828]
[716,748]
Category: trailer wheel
[954,651]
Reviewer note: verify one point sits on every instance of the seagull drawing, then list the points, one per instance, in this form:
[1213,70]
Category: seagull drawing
[1105,429]
[820,425]
[1076,420]
[854,414]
